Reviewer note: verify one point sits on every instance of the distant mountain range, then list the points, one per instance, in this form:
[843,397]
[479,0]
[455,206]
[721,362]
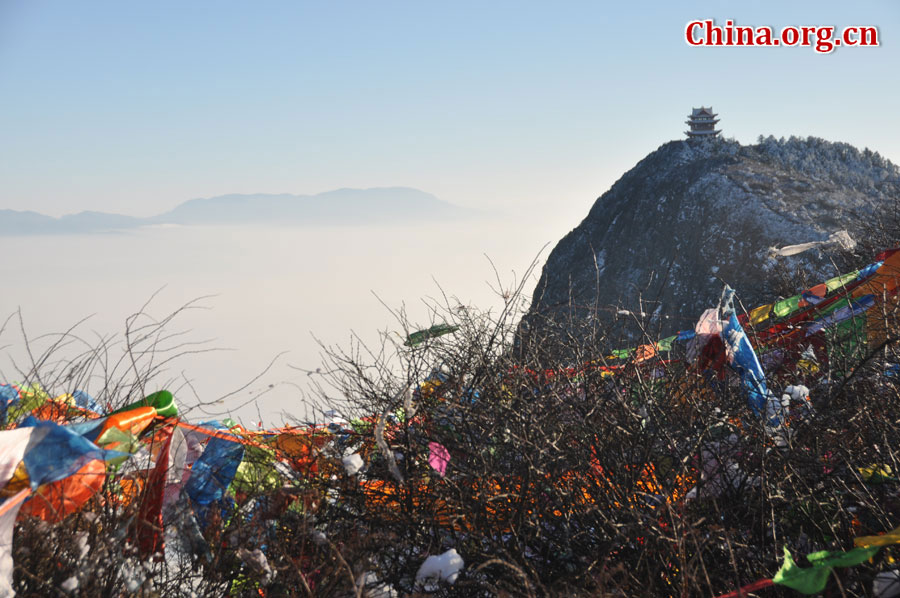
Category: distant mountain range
[343,206]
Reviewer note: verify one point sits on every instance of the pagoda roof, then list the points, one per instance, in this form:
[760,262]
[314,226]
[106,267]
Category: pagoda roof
[701,111]
[703,122]
[702,133]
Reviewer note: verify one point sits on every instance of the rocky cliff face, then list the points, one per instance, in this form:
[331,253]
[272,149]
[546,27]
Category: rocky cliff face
[694,215]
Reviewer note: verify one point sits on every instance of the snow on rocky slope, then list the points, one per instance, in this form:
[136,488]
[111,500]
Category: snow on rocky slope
[693,215]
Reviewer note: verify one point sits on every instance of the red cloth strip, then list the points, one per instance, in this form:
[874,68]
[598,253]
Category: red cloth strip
[741,592]
[148,526]
[15,499]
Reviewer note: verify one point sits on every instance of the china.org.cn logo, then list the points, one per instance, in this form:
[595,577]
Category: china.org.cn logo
[823,38]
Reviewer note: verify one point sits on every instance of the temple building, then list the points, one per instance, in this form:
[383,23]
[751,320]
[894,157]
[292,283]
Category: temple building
[702,122]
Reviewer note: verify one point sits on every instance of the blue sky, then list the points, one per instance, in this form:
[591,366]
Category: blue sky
[134,107]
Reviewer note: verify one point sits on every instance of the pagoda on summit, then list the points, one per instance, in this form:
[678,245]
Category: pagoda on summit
[702,122]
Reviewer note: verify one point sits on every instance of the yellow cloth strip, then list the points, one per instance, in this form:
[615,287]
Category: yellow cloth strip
[892,537]
[760,314]
[839,281]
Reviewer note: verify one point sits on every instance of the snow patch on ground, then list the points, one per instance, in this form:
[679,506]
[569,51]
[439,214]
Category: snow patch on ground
[440,567]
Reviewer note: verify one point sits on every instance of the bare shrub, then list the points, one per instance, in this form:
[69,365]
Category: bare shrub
[587,476]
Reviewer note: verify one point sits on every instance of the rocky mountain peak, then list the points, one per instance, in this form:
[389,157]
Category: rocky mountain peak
[693,215]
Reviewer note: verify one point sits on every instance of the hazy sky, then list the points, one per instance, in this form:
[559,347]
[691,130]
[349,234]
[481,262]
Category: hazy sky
[136,106]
